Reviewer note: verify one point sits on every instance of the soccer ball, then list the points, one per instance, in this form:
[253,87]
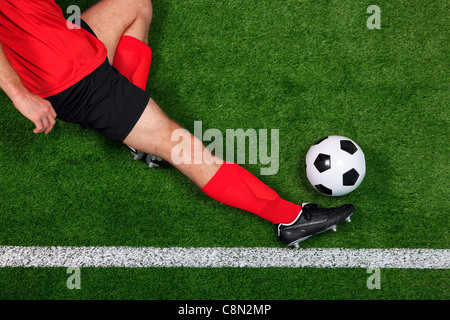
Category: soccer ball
[335,165]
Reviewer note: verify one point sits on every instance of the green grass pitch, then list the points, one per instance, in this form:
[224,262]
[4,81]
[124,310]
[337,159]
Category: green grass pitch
[307,68]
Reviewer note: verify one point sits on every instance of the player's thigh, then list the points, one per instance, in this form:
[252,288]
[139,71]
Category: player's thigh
[109,19]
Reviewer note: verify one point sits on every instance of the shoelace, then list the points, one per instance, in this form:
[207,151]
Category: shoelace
[306,210]
[306,214]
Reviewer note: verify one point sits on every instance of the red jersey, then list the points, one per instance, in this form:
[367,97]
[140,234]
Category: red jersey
[47,54]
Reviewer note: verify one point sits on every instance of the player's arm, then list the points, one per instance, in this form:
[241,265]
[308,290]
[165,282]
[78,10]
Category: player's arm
[33,107]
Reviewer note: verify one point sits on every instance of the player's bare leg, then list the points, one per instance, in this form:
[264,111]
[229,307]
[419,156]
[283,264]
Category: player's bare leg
[112,19]
[153,134]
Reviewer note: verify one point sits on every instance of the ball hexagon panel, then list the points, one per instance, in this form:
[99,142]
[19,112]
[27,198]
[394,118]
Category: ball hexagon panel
[341,161]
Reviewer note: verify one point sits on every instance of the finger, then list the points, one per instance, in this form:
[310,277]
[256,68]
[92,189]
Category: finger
[39,126]
[45,123]
[51,122]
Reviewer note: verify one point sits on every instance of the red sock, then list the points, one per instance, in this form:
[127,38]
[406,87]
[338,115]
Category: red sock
[132,59]
[236,187]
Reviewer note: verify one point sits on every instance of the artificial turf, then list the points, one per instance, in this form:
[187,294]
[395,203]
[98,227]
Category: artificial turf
[307,68]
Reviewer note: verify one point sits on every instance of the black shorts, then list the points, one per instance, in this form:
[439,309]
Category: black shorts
[104,101]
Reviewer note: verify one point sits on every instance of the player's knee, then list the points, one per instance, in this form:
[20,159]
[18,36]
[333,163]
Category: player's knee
[162,140]
[145,9]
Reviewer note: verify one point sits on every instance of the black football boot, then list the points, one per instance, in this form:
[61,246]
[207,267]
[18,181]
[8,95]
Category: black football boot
[313,220]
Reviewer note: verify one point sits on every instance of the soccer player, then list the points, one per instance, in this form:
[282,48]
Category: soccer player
[95,75]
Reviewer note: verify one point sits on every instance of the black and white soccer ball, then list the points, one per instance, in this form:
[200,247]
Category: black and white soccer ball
[335,165]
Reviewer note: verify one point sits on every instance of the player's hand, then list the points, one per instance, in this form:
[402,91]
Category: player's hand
[37,110]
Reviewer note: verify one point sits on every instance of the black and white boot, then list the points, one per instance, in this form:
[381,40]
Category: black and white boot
[313,220]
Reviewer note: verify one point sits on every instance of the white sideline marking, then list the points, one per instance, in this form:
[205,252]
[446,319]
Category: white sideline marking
[151,257]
